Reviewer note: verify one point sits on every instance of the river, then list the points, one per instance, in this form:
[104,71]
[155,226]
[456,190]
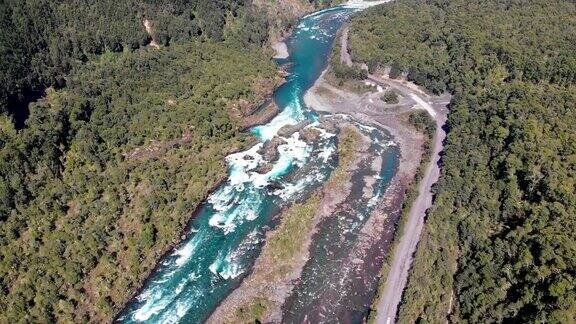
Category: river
[226,234]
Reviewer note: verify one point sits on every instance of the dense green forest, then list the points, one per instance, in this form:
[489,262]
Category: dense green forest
[499,245]
[101,177]
[42,40]
[108,171]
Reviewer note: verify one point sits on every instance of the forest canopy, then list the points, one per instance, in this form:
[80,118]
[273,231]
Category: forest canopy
[499,243]
[42,40]
[109,170]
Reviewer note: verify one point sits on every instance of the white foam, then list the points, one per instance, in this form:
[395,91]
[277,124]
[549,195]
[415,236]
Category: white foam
[229,266]
[291,190]
[242,162]
[184,253]
[180,309]
[372,202]
[154,304]
[327,152]
[251,215]
[194,276]
[291,115]
[235,214]
[231,271]
[366,127]
[324,134]
[180,287]
[214,268]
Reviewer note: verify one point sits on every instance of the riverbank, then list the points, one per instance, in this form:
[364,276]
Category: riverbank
[394,273]
[397,276]
[369,108]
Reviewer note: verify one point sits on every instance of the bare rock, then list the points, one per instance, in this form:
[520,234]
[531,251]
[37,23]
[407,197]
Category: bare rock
[264,168]
[269,150]
[288,130]
[310,135]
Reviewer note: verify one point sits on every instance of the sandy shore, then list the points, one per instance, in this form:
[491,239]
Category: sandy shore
[281,50]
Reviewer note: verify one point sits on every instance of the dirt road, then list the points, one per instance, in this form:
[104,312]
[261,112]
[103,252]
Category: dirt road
[387,308]
[344,55]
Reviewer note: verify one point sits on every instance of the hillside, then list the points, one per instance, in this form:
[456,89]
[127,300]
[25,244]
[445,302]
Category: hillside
[281,15]
[498,245]
[41,40]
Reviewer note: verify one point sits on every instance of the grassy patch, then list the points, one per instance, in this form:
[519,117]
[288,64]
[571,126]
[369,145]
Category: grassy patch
[285,243]
[254,311]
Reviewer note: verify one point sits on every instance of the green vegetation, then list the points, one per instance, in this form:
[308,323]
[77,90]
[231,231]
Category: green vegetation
[42,40]
[344,72]
[390,97]
[284,244]
[350,78]
[423,123]
[499,243]
[253,312]
[426,125]
[109,170]
[281,253]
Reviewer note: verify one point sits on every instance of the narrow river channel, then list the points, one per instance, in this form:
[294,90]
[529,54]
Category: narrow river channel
[226,234]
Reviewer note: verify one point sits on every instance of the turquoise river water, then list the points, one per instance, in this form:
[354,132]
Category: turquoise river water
[226,233]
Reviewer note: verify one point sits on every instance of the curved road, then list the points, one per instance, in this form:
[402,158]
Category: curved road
[387,308]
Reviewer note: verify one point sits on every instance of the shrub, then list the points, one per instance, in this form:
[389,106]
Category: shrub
[390,97]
